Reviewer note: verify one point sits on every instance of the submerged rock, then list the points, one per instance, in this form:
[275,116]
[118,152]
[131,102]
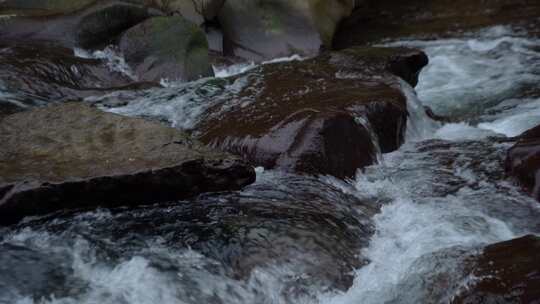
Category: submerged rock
[259,30]
[328,115]
[73,156]
[167,47]
[523,161]
[196,11]
[506,272]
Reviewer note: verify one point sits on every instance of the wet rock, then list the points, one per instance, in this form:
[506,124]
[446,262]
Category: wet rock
[327,115]
[307,230]
[89,26]
[38,74]
[523,161]
[73,156]
[259,30]
[506,272]
[167,47]
[376,21]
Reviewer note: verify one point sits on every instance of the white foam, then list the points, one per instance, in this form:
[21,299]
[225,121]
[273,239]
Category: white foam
[471,79]
[112,56]
[183,104]
[462,131]
[419,125]
[231,70]
[467,76]
[239,68]
[515,120]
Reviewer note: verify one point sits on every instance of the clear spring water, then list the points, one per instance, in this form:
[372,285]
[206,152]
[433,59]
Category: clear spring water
[442,194]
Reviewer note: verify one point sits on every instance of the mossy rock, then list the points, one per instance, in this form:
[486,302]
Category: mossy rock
[167,47]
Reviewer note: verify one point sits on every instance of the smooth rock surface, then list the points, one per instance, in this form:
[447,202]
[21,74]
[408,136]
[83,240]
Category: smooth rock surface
[167,47]
[506,272]
[258,30]
[327,115]
[74,156]
[91,26]
[523,161]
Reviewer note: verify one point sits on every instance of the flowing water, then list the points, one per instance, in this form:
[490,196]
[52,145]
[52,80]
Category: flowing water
[398,232]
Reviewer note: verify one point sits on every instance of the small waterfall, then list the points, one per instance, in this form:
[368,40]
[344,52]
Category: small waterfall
[419,125]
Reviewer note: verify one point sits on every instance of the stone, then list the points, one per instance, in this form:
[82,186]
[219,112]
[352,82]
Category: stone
[73,156]
[42,8]
[167,48]
[258,30]
[376,21]
[328,115]
[91,26]
[523,161]
[506,272]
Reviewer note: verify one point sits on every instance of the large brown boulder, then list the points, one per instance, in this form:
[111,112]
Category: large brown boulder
[327,115]
[167,47]
[73,156]
[259,30]
[523,161]
[507,272]
[375,21]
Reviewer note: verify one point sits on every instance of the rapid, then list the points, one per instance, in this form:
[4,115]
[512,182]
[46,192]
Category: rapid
[405,224]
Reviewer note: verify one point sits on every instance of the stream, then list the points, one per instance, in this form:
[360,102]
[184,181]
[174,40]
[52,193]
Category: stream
[399,231]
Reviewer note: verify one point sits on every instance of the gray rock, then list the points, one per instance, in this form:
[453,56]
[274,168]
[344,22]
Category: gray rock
[73,156]
[167,47]
[259,30]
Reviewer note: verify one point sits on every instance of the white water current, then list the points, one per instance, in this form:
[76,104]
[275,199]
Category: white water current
[442,194]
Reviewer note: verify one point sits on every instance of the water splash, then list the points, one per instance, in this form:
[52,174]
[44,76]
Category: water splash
[112,56]
[239,68]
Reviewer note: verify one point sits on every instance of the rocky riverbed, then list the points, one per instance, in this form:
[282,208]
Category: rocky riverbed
[228,151]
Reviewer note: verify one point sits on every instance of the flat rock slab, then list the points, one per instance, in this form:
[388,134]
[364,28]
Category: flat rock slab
[74,156]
